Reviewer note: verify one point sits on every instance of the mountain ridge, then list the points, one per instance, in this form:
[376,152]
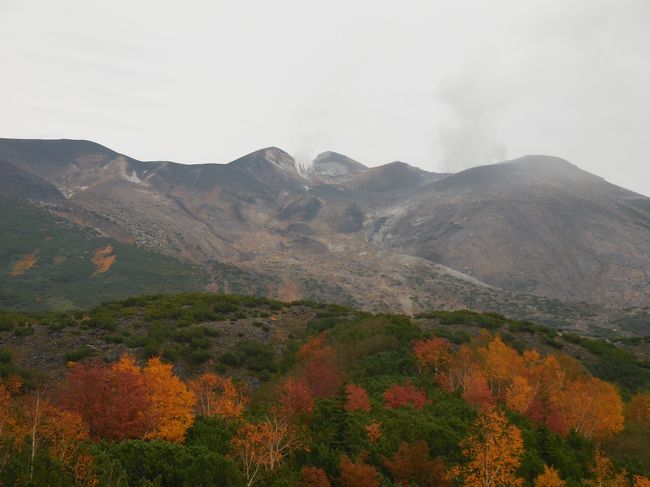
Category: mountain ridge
[383,237]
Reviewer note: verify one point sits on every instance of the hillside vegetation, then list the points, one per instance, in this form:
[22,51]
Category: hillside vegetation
[49,263]
[204,389]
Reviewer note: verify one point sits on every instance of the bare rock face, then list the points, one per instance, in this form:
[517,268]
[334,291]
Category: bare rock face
[389,237]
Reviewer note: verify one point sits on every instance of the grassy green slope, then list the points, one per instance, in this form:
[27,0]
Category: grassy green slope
[64,275]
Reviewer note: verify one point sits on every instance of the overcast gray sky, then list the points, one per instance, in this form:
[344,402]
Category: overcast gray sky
[444,85]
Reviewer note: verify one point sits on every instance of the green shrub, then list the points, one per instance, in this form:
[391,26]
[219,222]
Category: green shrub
[79,354]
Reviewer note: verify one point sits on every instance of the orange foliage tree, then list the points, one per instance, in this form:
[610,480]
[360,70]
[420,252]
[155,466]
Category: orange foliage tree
[592,407]
[359,473]
[64,432]
[605,475]
[493,452]
[10,438]
[411,465]
[432,354]
[556,390]
[500,364]
[217,395]
[519,394]
[373,430]
[404,395]
[640,481]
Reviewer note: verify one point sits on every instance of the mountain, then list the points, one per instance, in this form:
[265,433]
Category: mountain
[532,238]
[536,224]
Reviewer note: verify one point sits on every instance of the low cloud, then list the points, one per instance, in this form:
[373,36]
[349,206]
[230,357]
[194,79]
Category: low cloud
[472,102]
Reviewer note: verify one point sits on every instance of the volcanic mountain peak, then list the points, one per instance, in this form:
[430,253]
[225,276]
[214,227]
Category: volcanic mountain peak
[336,167]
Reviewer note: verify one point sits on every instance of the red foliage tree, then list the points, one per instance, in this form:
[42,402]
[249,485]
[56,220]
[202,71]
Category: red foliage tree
[405,395]
[113,401]
[411,465]
[313,477]
[476,390]
[296,397]
[358,474]
[358,399]
[324,378]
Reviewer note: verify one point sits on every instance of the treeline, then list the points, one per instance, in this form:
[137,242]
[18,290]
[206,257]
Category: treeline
[367,402]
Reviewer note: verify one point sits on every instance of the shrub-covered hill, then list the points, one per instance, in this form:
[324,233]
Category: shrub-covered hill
[49,263]
[269,393]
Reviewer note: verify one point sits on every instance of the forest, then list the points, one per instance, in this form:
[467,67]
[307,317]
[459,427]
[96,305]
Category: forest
[351,399]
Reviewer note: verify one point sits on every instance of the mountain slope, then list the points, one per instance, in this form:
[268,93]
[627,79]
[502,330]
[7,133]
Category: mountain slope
[536,224]
[516,237]
[51,263]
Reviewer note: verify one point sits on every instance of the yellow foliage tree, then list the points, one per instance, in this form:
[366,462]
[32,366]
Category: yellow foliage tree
[500,363]
[493,450]
[172,402]
[549,478]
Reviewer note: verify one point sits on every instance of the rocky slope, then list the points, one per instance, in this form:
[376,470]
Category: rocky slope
[517,237]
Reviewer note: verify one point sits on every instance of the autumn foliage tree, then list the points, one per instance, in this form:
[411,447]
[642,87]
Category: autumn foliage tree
[500,364]
[555,390]
[218,396]
[320,370]
[549,478]
[357,399]
[172,402]
[123,401]
[404,395]
[296,397]
[10,437]
[373,430]
[476,390]
[113,401]
[433,354]
[493,452]
[411,465]
[604,472]
[640,481]
[592,408]
[262,446]
[359,473]
[313,477]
